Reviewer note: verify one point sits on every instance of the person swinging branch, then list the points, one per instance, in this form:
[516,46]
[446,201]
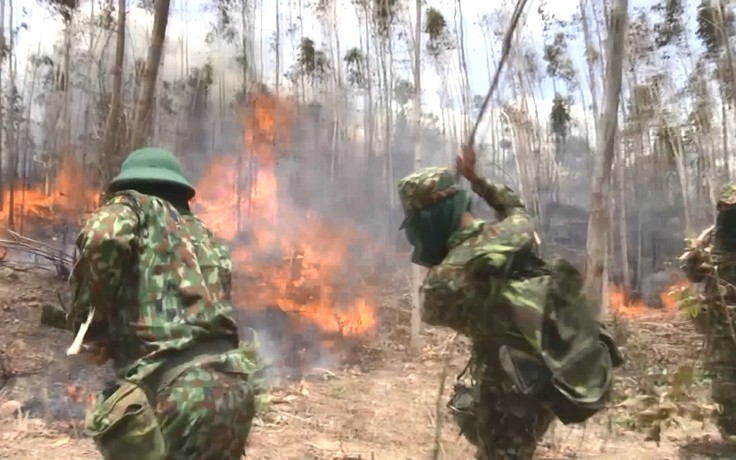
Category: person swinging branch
[538,350]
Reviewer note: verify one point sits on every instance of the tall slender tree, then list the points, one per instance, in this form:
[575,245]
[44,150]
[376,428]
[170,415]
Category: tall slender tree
[598,223]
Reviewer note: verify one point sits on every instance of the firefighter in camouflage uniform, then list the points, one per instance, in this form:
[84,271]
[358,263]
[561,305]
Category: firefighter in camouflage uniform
[157,284]
[538,350]
[710,260]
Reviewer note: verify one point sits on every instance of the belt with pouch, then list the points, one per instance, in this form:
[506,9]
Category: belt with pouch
[181,360]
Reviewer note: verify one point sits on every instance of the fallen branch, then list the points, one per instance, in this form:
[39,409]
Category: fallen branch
[17,236]
[14,267]
[55,255]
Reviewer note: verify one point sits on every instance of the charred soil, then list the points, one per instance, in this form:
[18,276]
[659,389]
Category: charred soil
[381,403]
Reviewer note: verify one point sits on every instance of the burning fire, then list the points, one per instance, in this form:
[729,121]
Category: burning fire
[65,198]
[283,257]
[77,394]
[633,307]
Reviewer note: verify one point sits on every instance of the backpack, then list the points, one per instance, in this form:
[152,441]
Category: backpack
[555,350]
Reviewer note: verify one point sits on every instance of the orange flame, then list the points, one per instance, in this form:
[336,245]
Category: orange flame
[633,307]
[68,197]
[294,266]
[291,261]
[77,394]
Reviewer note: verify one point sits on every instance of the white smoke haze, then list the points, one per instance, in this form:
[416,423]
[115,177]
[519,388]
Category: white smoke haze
[330,166]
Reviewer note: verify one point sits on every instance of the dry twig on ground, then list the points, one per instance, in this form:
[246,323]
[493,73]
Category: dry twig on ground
[60,259]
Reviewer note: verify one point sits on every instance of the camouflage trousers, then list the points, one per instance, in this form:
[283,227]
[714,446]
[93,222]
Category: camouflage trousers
[720,360]
[501,423]
[204,414]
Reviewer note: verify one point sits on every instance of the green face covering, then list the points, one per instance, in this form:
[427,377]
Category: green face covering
[429,230]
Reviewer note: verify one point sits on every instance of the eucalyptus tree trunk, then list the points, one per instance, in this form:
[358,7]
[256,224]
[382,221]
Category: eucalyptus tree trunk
[623,227]
[465,93]
[109,151]
[724,27]
[389,123]
[724,134]
[417,272]
[369,122]
[682,173]
[340,106]
[589,60]
[598,223]
[277,46]
[11,173]
[623,223]
[144,106]
[11,134]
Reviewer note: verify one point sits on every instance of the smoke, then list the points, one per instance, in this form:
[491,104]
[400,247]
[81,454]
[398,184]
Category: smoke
[288,346]
[653,285]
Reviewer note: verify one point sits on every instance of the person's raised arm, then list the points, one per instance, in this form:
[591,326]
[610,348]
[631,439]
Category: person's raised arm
[501,198]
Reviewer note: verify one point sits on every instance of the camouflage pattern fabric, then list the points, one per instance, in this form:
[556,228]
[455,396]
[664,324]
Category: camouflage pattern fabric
[707,263]
[538,349]
[214,258]
[140,269]
[495,418]
[449,297]
[509,425]
[160,285]
[207,412]
[425,188]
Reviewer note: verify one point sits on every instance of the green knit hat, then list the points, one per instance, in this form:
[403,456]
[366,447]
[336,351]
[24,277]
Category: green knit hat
[151,165]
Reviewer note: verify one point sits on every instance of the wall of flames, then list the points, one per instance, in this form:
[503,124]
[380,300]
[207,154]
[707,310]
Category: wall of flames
[282,256]
[63,198]
[291,259]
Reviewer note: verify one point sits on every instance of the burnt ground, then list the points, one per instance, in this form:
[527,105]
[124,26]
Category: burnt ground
[382,405]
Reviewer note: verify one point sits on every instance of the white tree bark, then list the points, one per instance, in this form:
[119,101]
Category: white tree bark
[598,223]
[417,274]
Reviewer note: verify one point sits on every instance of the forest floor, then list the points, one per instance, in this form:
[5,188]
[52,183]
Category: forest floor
[382,406]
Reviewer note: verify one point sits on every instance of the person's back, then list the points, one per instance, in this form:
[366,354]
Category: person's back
[159,283]
[165,301]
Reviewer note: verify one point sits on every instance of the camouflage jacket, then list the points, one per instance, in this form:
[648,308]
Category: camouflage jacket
[696,258]
[528,319]
[158,281]
[713,270]
[708,259]
[451,295]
